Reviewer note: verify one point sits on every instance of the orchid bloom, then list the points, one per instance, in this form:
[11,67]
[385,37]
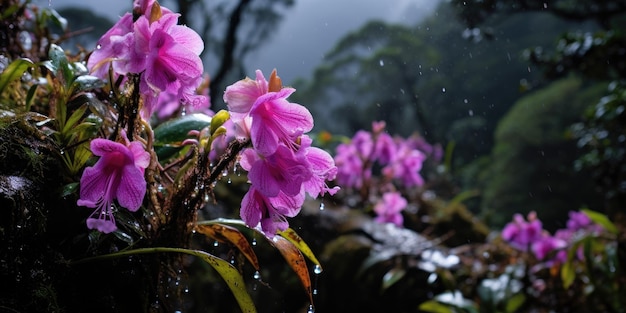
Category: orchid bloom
[166,54]
[282,165]
[521,233]
[118,174]
[273,119]
[389,208]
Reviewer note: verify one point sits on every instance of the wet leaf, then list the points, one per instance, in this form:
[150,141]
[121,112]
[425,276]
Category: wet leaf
[515,303]
[229,273]
[86,82]
[296,261]
[60,64]
[225,233]
[433,306]
[295,239]
[568,273]
[393,276]
[73,119]
[169,135]
[13,71]
[601,219]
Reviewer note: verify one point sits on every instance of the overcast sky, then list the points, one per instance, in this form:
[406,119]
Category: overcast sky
[308,30]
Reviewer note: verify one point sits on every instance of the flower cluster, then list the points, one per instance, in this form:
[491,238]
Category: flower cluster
[282,164]
[525,234]
[153,44]
[399,159]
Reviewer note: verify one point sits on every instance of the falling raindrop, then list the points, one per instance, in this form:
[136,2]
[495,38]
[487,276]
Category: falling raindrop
[381,62]
[257,275]
[443,89]
[311,309]
[216,243]
[322,206]
[317,269]
[254,241]
[470,112]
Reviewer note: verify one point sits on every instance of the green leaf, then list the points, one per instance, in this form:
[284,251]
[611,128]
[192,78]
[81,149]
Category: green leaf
[229,273]
[57,19]
[295,239]
[393,276]
[69,189]
[601,219]
[10,10]
[515,302]
[86,82]
[433,306]
[60,64]
[30,96]
[568,273]
[169,135]
[74,118]
[14,71]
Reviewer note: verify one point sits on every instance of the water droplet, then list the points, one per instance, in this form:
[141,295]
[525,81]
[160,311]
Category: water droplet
[470,112]
[311,309]
[99,46]
[322,206]
[317,269]
[381,62]
[443,90]
[315,291]
[216,243]
[254,241]
[225,173]
[257,275]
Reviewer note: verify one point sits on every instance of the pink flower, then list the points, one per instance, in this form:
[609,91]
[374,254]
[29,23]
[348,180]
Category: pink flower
[164,53]
[322,167]
[406,165]
[273,119]
[521,233]
[269,212]
[389,209]
[118,174]
[282,171]
[547,244]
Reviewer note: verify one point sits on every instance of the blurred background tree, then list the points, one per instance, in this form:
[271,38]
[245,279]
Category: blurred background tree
[596,55]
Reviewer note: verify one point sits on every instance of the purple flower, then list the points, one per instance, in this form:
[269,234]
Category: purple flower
[282,166]
[322,167]
[389,208]
[406,166]
[269,212]
[521,233]
[547,244]
[273,119]
[164,53]
[118,174]
[282,171]
[350,167]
